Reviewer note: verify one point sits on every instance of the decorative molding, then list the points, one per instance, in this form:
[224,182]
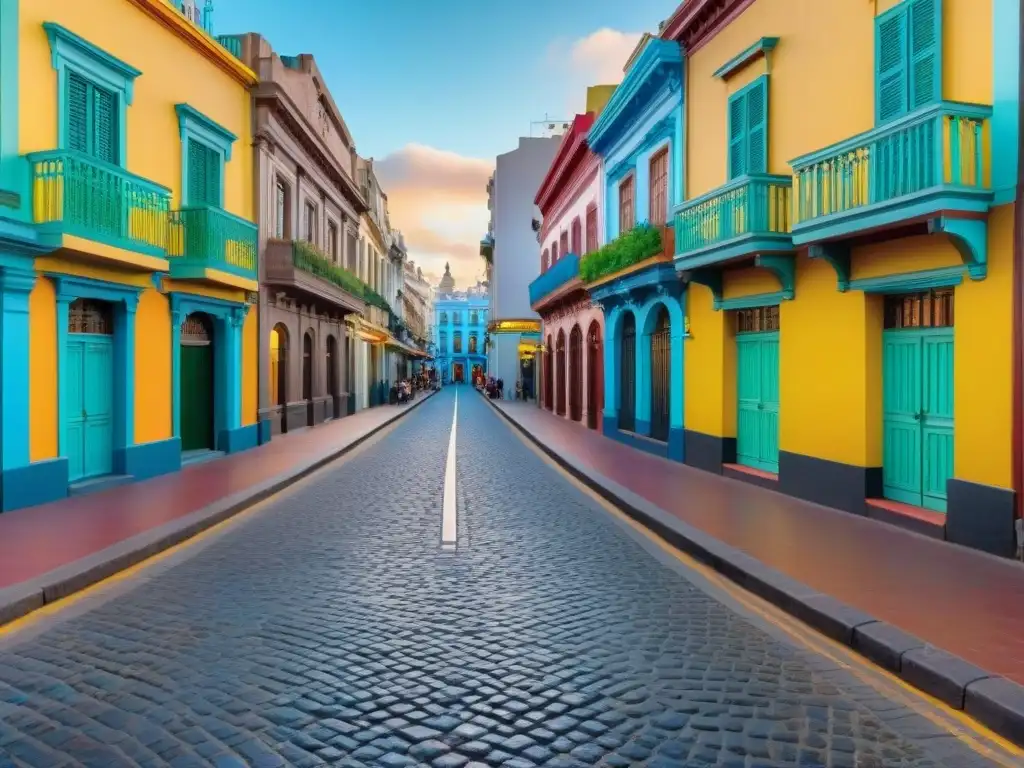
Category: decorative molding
[192,122]
[68,48]
[969,237]
[783,266]
[660,131]
[567,156]
[658,67]
[762,47]
[911,282]
[695,22]
[583,176]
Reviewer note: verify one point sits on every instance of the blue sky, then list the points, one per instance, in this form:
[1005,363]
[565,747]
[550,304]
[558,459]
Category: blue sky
[466,76]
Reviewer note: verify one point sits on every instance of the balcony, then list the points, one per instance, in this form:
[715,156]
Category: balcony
[301,267]
[564,271]
[748,216]
[232,44]
[928,167]
[487,247]
[213,245]
[100,211]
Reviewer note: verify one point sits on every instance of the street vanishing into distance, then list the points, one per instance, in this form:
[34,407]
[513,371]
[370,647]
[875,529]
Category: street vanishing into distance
[332,625]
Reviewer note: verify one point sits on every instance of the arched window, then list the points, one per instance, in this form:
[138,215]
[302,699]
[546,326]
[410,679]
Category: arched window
[563,243]
[577,236]
[544,261]
[554,252]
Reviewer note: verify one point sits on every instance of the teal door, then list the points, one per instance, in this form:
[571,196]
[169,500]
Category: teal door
[917,431]
[89,399]
[196,397]
[757,386]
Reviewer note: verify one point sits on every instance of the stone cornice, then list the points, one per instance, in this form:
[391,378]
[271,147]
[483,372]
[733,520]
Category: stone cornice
[272,95]
[572,149]
[695,22]
[659,66]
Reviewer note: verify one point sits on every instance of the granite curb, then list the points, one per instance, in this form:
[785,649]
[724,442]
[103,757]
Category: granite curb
[994,701]
[21,599]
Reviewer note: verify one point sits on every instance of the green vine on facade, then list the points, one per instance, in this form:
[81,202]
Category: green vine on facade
[637,245]
[309,258]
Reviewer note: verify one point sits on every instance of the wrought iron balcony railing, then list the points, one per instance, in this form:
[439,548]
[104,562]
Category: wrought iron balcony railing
[208,237]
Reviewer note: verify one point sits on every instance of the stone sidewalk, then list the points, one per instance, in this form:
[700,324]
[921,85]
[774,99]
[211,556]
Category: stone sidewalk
[947,619]
[52,550]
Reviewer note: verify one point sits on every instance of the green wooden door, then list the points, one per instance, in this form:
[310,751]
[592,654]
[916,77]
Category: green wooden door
[89,399]
[917,427]
[757,387]
[936,418]
[196,396]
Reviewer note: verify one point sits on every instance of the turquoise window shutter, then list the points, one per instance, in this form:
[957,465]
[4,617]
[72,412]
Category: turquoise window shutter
[925,53]
[757,127]
[196,173]
[105,133]
[76,113]
[737,134]
[891,65]
[212,177]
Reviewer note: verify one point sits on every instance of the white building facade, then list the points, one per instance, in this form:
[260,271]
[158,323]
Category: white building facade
[514,330]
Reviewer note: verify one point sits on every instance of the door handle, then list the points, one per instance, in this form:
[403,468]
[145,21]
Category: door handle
[760,406]
[917,416]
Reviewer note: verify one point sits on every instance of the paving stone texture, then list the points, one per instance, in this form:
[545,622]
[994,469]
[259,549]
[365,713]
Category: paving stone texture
[331,629]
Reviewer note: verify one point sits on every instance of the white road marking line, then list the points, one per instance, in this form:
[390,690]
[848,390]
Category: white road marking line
[449,529]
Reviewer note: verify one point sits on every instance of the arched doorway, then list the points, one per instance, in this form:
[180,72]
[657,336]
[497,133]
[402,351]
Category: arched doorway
[279,365]
[595,375]
[627,374]
[576,374]
[331,361]
[661,374]
[560,374]
[88,384]
[549,389]
[196,383]
[307,374]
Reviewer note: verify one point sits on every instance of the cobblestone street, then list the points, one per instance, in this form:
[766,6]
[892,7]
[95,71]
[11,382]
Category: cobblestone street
[331,628]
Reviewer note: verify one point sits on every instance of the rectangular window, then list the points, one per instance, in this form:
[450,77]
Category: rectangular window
[457,342]
[748,129]
[658,214]
[280,209]
[444,342]
[757,319]
[91,119]
[473,319]
[930,309]
[310,222]
[332,240]
[472,343]
[627,214]
[455,318]
[203,175]
[908,61]
[591,229]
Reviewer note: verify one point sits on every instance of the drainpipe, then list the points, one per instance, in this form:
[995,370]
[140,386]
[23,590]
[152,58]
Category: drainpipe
[1018,315]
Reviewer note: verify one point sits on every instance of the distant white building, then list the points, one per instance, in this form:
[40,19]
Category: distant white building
[514,330]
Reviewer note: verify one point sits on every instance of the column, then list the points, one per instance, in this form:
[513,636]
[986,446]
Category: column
[15,287]
[233,353]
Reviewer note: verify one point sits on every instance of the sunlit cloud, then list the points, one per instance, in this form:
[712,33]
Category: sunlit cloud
[596,59]
[439,201]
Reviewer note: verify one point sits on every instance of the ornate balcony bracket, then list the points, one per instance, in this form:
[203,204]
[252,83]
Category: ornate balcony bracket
[783,266]
[969,237]
[838,255]
[710,279]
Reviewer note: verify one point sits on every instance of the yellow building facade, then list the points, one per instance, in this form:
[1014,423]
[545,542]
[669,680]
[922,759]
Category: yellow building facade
[129,177]
[848,245]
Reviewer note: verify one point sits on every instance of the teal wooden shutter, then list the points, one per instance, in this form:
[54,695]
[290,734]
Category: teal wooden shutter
[197,173]
[737,135]
[212,177]
[757,127]
[104,126]
[76,113]
[891,65]
[925,47]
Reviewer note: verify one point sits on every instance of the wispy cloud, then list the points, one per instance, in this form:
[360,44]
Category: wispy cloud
[596,59]
[439,201]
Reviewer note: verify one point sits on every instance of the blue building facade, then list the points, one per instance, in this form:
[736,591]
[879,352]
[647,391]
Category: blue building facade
[460,326]
[639,137]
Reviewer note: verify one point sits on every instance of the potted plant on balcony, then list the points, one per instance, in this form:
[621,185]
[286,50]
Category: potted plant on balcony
[639,244]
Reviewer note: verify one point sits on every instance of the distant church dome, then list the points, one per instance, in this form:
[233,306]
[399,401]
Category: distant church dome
[447,284]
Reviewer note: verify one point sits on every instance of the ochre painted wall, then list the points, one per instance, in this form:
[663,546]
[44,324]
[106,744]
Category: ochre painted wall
[821,86]
[152,368]
[710,370]
[172,72]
